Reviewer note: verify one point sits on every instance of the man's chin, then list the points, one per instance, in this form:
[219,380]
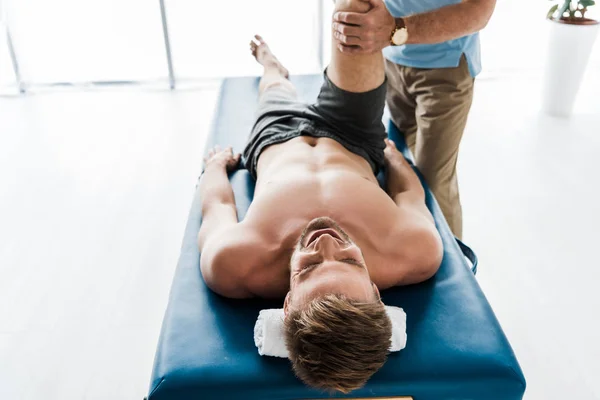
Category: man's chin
[321,223]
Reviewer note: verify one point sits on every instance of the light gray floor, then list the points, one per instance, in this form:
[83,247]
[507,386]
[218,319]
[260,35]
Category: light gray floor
[96,187]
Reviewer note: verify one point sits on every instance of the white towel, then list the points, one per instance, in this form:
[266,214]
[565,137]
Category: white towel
[269,333]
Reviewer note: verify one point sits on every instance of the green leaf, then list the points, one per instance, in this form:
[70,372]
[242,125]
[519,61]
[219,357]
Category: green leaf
[587,3]
[564,8]
[552,10]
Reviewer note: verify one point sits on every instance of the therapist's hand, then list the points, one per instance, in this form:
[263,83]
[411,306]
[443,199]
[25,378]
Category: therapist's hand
[366,33]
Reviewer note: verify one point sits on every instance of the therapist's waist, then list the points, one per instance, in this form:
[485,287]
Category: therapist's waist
[439,55]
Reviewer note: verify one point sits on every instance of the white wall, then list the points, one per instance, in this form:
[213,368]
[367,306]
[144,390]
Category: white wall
[517,38]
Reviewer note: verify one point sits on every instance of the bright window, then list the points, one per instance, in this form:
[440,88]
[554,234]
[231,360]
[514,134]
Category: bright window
[212,39]
[122,40]
[7,76]
[77,40]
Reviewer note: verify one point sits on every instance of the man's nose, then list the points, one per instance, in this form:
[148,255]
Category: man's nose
[326,244]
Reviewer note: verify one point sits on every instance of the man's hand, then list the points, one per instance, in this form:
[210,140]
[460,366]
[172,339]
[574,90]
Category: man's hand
[222,158]
[392,155]
[400,176]
[364,33]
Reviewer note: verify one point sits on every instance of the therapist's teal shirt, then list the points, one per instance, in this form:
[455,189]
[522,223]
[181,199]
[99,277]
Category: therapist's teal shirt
[441,55]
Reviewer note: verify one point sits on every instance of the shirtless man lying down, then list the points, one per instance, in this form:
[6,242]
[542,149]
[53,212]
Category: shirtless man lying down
[320,231]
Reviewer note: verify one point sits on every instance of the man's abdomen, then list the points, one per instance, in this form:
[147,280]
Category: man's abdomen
[351,119]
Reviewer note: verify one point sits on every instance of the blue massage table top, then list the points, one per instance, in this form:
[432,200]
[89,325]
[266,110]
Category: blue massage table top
[456,348]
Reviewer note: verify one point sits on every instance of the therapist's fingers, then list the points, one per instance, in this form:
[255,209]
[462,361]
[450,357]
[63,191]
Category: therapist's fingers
[347,30]
[347,40]
[350,18]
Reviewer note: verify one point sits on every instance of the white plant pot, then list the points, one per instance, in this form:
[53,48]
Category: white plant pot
[566,61]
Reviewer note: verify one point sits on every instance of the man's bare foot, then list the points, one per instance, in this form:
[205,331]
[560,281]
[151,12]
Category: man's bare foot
[260,50]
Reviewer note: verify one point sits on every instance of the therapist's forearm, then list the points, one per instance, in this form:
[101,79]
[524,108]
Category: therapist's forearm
[449,22]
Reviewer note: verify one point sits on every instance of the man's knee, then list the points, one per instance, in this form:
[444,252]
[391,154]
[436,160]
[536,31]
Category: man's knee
[281,84]
[360,6]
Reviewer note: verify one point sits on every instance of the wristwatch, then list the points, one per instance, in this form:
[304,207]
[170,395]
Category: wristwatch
[399,34]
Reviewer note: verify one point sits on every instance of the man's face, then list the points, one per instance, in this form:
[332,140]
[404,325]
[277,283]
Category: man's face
[325,261]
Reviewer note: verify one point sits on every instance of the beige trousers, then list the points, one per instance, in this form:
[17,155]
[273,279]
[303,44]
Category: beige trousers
[430,106]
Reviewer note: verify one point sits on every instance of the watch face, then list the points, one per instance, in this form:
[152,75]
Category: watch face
[400,36]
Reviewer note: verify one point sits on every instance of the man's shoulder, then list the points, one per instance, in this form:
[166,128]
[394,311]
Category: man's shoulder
[414,248]
[236,264]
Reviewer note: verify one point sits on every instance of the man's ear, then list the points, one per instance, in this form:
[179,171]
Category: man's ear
[376,290]
[286,303]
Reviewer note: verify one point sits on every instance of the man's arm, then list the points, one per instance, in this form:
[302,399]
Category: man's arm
[403,185]
[422,248]
[371,32]
[217,204]
[218,238]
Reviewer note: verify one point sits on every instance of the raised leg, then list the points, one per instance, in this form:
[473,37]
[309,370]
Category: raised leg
[355,72]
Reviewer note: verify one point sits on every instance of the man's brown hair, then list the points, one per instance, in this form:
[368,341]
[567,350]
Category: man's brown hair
[336,344]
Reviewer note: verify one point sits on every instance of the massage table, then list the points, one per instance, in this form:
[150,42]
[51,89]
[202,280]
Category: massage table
[456,348]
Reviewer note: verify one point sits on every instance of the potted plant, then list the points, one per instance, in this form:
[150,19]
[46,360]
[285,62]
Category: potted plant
[572,37]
